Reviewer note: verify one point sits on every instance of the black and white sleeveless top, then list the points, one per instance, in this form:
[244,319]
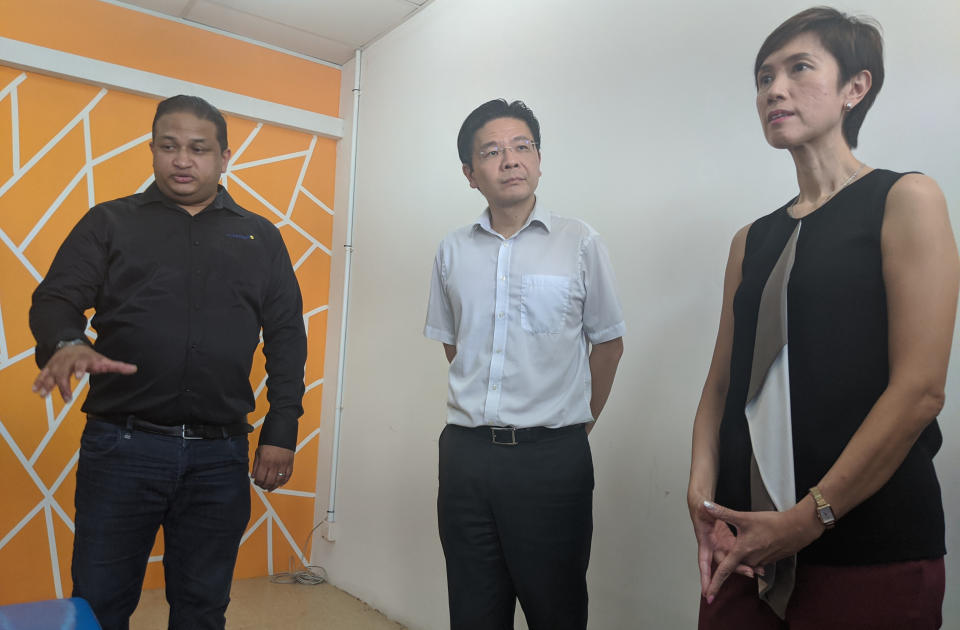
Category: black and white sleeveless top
[836,335]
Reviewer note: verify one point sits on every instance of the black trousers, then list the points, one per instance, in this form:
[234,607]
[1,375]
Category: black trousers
[516,522]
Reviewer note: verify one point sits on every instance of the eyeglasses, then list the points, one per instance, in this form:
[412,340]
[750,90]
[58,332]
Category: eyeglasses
[522,147]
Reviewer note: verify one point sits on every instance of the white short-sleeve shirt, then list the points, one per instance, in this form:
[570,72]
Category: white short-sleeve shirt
[521,312]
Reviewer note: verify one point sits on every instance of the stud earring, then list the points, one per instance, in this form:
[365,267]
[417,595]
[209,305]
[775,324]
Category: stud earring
[848,106]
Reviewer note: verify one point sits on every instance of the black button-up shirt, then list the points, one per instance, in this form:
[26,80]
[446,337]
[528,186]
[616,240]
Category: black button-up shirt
[185,299]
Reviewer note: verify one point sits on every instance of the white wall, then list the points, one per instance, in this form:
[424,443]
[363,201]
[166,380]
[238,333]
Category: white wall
[649,134]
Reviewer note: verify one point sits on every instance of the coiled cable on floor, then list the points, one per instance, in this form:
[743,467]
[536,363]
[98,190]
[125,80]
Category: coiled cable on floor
[309,574]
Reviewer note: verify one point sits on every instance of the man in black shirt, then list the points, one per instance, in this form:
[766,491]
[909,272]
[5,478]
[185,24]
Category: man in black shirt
[183,281]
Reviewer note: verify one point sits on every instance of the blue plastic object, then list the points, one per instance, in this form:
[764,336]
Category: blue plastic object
[53,614]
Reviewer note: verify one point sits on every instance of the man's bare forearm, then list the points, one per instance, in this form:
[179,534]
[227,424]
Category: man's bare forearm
[604,359]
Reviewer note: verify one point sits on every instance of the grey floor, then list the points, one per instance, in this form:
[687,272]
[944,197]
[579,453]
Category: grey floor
[260,604]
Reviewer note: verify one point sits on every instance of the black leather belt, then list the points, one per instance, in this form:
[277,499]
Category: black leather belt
[185,431]
[510,436]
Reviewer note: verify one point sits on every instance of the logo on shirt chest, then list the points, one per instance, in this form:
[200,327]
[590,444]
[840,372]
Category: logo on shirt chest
[242,237]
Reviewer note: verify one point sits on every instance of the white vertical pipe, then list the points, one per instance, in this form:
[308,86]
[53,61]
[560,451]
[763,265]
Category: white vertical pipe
[348,247]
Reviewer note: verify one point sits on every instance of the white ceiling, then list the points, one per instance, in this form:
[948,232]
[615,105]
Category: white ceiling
[324,29]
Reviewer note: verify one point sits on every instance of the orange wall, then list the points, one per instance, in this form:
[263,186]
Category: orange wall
[42,195]
[110,33]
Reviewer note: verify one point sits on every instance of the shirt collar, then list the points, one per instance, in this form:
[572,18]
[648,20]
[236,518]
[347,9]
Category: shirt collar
[539,215]
[223,199]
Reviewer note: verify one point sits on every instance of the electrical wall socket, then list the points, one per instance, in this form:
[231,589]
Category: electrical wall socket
[327,531]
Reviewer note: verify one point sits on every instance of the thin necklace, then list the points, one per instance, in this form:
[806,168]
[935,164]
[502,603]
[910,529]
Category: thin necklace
[793,205]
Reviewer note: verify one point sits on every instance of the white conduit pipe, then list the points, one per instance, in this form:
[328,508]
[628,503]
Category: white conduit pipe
[348,247]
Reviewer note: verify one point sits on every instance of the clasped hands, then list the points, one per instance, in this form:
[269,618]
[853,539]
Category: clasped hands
[761,538]
[272,465]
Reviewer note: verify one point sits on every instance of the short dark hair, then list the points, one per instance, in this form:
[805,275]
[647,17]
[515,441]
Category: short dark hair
[491,110]
[856,44]
[199,108]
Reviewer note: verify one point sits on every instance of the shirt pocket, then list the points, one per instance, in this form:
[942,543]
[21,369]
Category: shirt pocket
[544,301]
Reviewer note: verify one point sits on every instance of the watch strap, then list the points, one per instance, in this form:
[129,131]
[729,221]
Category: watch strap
[70,342]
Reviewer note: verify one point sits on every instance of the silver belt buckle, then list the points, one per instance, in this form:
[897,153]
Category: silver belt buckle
[183,434]
[513,435]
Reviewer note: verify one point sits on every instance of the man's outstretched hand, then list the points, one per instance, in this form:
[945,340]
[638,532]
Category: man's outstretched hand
[75,360]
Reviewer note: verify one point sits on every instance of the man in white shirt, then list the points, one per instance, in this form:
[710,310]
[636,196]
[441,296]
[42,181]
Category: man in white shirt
[524,302]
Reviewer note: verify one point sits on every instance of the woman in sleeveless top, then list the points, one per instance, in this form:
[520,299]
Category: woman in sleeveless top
[812,490]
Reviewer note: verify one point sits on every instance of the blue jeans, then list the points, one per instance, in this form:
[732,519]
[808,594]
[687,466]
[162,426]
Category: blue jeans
[129,483]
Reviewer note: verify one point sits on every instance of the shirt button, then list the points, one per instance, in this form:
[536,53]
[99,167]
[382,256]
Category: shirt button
[187,389]
[493,387]
[499,351]
[503,277]
[196,242]
[499,315]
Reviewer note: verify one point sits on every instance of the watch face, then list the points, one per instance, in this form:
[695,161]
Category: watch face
[826,515]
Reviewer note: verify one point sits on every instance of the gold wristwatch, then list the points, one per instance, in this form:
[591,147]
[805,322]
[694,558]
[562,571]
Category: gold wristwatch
[824,511]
